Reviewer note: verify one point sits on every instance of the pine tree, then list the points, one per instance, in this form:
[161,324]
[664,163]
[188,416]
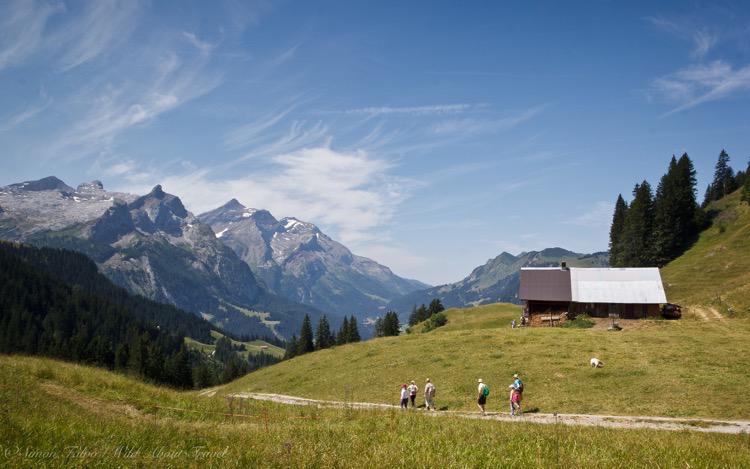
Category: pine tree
[305,344]
[413,317]
[291,348]
[421,313]
[391,325]
[675,211]
[343,336]
[323,334]
[435,307]
[723,183]
[637,240]
[616,232]
[353,330]
[746,185]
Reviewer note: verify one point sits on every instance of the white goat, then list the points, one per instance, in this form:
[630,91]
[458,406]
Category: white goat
[596,363]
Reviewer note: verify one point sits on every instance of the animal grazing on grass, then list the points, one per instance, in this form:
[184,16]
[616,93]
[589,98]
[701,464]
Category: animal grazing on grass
[596,363]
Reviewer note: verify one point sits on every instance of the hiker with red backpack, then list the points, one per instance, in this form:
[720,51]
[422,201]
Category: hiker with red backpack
[482,392]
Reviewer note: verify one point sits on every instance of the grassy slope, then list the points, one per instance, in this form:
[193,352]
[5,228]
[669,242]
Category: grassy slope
[253,347]
[56,414]
[718,265]
[653,367]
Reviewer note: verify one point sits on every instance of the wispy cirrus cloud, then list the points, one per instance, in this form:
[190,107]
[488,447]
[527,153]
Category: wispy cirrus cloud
[702,38]
[19,118]
[350,193]
[470,126]
[597,216]
[414,110]
[168,78]
[99,28]
[22,25]
[700,84]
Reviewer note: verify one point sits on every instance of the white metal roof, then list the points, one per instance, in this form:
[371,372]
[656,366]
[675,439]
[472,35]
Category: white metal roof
[617,285]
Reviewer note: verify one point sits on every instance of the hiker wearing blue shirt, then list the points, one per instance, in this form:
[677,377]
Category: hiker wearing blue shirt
[518,388]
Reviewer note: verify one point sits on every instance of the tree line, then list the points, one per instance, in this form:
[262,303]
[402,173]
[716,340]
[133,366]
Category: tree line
[323,338]
[655,228]
[55,303]
[423,313]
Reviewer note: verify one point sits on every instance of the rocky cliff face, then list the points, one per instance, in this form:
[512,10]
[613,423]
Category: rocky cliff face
[296,260]
[152,246]
[497,280]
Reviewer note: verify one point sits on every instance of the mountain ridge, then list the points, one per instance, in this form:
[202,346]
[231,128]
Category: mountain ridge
[496,280]
[296,259]
[152,246]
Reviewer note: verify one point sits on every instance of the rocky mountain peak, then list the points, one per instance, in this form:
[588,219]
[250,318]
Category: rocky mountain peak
[92,186]
[233,204]
[49,183]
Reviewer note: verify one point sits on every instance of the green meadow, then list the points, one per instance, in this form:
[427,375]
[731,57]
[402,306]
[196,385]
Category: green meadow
[57,414]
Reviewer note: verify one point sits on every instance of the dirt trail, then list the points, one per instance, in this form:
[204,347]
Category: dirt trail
[707,313]
[610,421]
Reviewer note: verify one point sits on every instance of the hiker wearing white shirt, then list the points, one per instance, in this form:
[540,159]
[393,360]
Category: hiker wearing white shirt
[404,397]
[482,392]
[413,392]
[429,395]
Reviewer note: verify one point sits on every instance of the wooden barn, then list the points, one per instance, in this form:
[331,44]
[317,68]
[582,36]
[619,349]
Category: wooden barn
[553,295]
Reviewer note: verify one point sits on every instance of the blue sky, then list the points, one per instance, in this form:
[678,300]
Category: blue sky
[429,137]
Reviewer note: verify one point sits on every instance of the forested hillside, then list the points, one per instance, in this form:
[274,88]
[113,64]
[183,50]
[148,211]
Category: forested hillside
[656,228]
[55,303]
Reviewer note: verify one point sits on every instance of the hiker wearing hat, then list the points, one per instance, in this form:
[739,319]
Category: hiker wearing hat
[413,392]
[404,397]
[482,392]
[517,395]
[429,395]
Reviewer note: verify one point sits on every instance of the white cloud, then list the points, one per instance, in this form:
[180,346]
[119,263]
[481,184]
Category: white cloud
[25,115]
[700,84]
[598,216]
[22,25]
[351,193]
[702,38]
[116,103]
[101,26]
[471,126]
[414,110]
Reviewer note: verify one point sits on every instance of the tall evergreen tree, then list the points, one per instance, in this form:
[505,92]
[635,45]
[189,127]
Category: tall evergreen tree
[413,317]
[353,330]
[323,337]
[291,348]
[674,211]
[616,232]
[435,307]
[637,242]
[723,182]
[305,344]
[746,186]
[343,336]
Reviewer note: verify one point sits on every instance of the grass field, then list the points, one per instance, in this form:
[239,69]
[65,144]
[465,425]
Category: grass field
[716,270]
[685,368]
[57,414]
[252,347]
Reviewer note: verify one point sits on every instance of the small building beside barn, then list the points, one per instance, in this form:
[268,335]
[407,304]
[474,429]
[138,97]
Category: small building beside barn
[552,295]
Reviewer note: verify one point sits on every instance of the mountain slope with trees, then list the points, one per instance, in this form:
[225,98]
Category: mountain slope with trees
[55,303]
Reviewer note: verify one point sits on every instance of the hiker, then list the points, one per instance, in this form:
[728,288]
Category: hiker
[518,396]
[482,392]
[413,392]
[404,397]
[429,395]
[515,401]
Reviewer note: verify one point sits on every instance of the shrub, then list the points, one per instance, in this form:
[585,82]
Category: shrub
[582,321]
[434,322]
